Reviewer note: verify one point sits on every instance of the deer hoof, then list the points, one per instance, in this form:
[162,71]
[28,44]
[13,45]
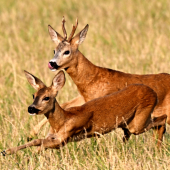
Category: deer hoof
[3,153]
[29,139]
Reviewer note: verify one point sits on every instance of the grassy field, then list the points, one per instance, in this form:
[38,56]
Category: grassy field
[131,36]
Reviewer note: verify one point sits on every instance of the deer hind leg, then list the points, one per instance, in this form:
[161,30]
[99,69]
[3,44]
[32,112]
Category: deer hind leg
[78,101]
[159,122]
[142,118]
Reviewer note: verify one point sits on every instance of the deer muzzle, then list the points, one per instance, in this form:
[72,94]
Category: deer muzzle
[52,65]
[32,110]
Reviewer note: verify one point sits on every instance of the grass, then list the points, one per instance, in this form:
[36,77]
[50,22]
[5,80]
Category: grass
[130,36]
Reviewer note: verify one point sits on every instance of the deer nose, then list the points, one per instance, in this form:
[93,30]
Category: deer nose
[53,65]
[30,109]
[33,110]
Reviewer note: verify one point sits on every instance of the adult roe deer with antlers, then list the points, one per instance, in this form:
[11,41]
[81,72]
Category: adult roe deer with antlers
[129,109]
[93,81]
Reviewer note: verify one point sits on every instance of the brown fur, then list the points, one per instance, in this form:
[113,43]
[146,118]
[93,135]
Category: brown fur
[129,109]
[93,81]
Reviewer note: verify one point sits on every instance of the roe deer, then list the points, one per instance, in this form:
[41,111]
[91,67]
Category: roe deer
[93,81]
[129,109]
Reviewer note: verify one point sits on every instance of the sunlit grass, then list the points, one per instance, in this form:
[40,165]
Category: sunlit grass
[131,36]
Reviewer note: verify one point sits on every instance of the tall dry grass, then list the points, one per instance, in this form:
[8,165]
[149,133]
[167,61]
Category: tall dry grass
[132,36]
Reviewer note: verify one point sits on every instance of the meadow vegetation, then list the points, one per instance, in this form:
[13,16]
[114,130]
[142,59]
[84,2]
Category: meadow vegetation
[131,36]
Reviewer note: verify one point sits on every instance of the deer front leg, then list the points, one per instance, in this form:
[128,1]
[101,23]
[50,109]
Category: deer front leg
[36,129]
[36,142]
[51,142]
[78,101]
[127,135]
[159,126]
[160,130]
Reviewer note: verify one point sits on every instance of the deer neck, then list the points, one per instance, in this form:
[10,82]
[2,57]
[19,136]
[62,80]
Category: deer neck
[56,117]
[82,71]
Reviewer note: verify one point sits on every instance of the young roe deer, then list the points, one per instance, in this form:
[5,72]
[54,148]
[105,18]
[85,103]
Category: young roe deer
[129,109]
[93,81]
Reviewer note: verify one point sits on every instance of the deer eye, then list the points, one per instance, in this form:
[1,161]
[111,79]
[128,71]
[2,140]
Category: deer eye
[33,96]
[66,52]
[46,98]
[54,51]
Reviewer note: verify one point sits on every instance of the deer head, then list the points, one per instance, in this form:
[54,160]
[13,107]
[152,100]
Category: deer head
[65,51]
[44,98]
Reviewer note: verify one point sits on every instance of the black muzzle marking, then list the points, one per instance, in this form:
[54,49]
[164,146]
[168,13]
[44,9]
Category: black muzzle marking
[54,65]
[33,110]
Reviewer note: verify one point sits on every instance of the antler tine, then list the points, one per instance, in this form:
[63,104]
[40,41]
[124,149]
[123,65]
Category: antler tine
[63,27]
[73,31]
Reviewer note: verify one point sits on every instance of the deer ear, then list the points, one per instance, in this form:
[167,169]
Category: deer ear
[56,37]
[34,81]
[58,81]
[80,37]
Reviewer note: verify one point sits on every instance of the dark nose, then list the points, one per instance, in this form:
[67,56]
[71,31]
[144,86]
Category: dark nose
[32,110]
[54,65]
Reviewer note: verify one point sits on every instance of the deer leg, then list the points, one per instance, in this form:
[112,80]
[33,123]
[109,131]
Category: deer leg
[127,135]
[143,122]
[159,125]
[75,102]
[36,129]
[158,122]
[78,101]
[160,130]
[51,142]
[36,142]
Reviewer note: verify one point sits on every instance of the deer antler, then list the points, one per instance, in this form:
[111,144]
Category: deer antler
[63,27]
[73,31]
